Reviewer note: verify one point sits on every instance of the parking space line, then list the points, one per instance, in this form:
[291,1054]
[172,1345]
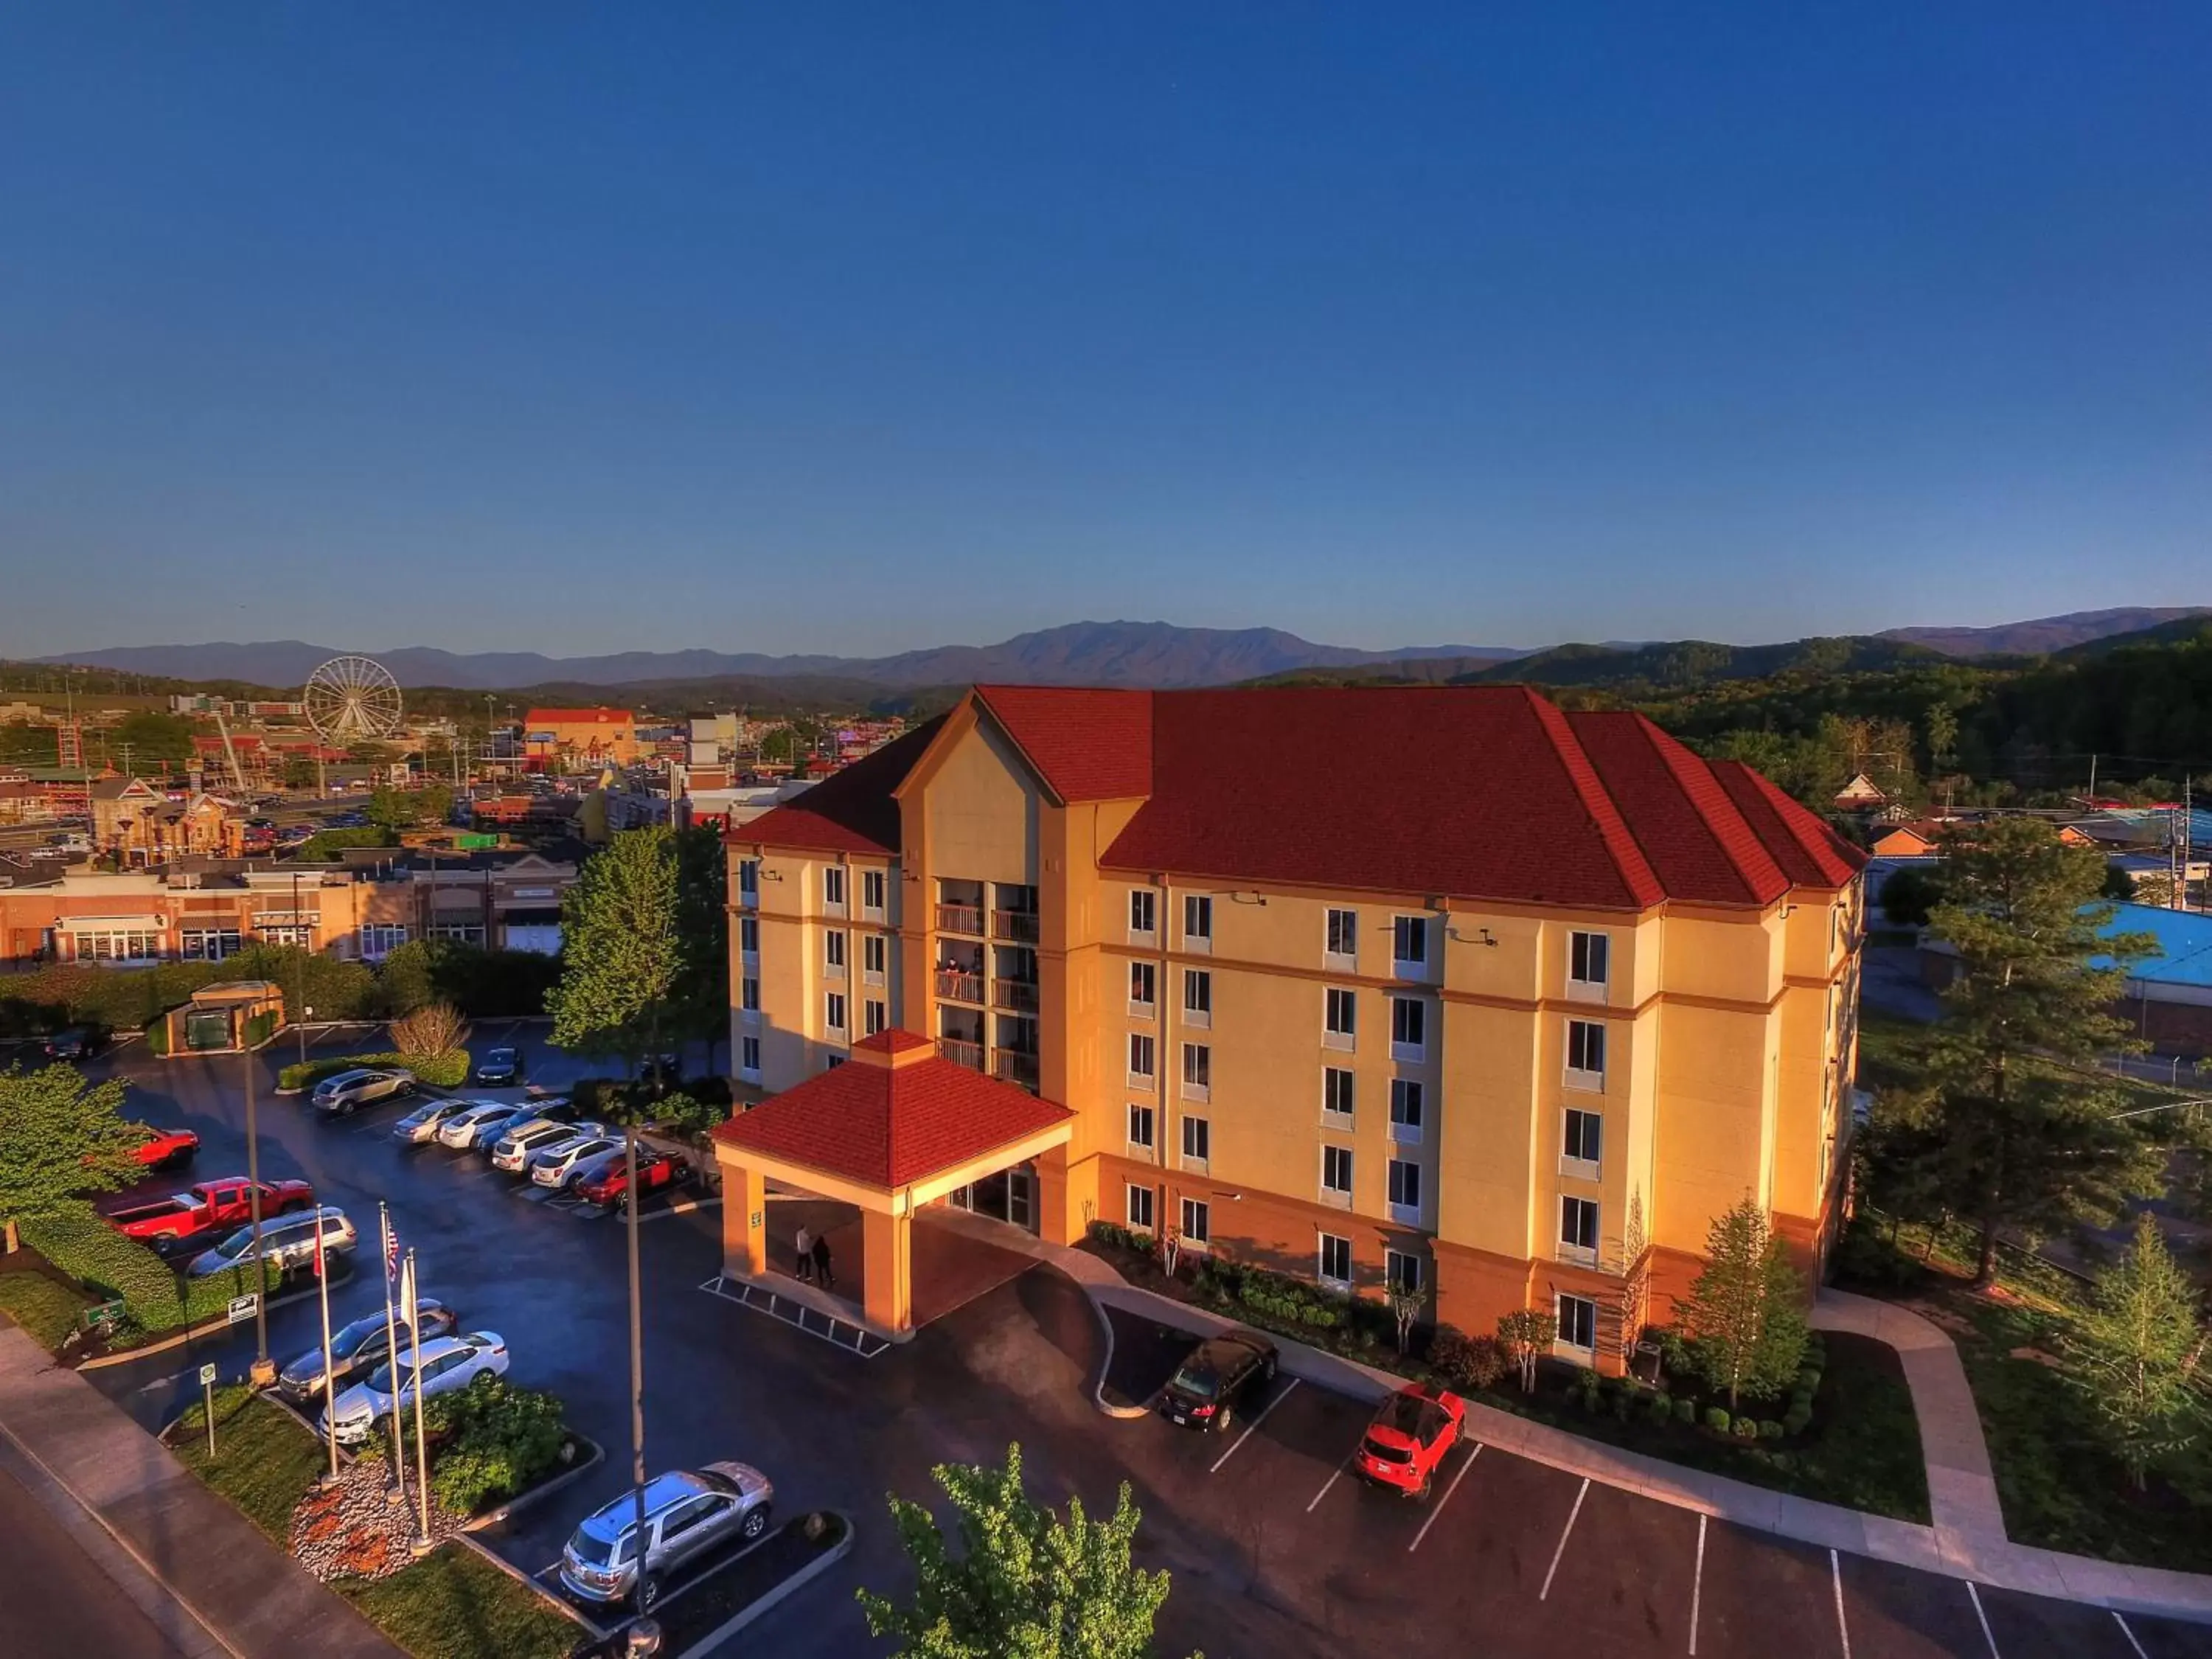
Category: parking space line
[1475,1452]
[2129,1634]
[1326,1485]
[1252,1424]
[1697,1587]
[1836,1577]
[1975,1596]
[1565,1532]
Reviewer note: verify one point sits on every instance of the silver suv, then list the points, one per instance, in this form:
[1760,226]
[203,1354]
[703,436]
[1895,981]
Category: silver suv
[288,1240]
[687,1515]
[349,1090]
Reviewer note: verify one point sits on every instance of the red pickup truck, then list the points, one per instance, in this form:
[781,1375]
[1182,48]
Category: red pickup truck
[211,1204]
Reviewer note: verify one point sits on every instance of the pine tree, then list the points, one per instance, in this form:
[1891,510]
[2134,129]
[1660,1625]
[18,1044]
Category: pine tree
[2136,1353]
[1745,1315]
[60,1137]
[2027,1137]
[1025,1584]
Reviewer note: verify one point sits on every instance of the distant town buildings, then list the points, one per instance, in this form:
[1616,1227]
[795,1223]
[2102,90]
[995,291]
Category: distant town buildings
[577,737]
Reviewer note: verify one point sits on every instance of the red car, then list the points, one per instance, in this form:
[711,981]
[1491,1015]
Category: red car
[167,1148]
[655,1170]
[226,1203]
[1409,1436]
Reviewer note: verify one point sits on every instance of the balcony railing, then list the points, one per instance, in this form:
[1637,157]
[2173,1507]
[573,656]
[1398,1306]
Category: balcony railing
[1015,927]
[969,1055]
[960,988]
[1015,996]
[1009,1067]
[960,919]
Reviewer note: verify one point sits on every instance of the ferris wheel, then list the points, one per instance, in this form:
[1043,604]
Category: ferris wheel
[351,699]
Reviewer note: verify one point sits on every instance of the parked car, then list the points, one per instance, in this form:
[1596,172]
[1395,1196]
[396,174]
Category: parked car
[1409,1436]
[424,1121]
[448,1363]
[604,1180]
[477,1125]
[290,1243]
[521,1139]
[556,1166]
[77,1042]
[548,1108]
[1215,1374]
[165,1148]
[359,1348]
[349,1091]
[687,1515]
[210,1205]
[501,1068]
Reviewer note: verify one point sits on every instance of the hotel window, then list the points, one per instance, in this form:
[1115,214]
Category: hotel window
[1141,1127]
[1197,1141]
[833,1009]
[871,892]
[1578,1323]
[1336,1174]
[1338,1018]
[1409,1028]
[1142,986]
[748,1055]
[1197,1221]
[1584,1143]
[748,935]
[1139,1208]
[1197,922]
[1142,915]
[833,889]
[1336,1093]
[1140,1058]
[832,955]
[1405,1192]
[873,1017]
[1578,1230]
[1406,1104]
[1197,1071]
[1336,1260]
[1403,1274]
[749,994]
[1589,963]
[1343,937]
[874,952]
[209,944]
[1197,997]
[748,878]
[1409,941]
[1585,1054]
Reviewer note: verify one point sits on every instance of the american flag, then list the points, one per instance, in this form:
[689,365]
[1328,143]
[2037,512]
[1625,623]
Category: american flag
[391,1252]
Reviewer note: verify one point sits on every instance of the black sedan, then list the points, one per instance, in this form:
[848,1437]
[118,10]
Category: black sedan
[500,1068]
[77,1043]
[1214,1376]
[358,1349]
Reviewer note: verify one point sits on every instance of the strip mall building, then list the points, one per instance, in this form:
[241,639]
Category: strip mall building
[1439,987]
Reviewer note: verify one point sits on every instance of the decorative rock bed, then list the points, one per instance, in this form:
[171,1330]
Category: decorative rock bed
[350,1530]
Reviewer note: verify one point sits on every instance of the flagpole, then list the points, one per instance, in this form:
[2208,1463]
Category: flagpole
[330,1379]
[392,1350]
[411,1294]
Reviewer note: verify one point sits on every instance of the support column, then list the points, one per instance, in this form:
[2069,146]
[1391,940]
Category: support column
[744,1217]
[1055,1224]
[887,1250]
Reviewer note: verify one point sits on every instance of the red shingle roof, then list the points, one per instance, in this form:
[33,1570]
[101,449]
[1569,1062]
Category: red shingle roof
[1085,744]
[1802,842]
[848,811]
[890,1118]
[1679,815]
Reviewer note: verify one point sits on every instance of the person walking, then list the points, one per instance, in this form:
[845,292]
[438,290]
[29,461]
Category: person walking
[822,1262]
[805,1247]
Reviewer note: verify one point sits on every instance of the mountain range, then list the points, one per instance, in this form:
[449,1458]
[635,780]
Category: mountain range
[1125,654]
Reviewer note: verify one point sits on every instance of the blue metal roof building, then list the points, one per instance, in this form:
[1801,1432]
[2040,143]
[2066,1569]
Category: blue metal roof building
[2185,939]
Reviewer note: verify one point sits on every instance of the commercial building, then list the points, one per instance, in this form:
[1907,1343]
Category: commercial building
[588,736]
[145,826]
[1436,988]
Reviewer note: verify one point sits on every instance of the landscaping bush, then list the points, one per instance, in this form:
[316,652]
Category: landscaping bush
[259,1030]
[1115,1236]
[157,1039]
[1746,1428]
[88,1251]
[1686,1410]
[1470,1364]
[499,1441]
[1662,1409]
[447,1071]
[1716,1419]
[1769,1428]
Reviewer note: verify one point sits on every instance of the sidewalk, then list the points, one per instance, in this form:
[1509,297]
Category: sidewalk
[256,1600]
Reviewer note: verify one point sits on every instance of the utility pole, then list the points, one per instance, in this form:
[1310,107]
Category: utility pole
[636,1361]
[2092,775]
[265,1370]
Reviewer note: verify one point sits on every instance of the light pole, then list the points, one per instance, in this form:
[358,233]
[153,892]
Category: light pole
[264,1369]
[299,969]
[636,1359]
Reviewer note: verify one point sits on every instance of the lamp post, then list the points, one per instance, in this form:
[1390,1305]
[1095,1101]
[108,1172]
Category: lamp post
[636,1362]
[264,1369]
[299,969]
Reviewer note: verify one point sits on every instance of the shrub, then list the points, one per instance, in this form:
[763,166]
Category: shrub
[1686,1410]
[434,1029]
[1807,1382]
[1469,1364]
[1716,1419]
[259,1030]
[157,1038]
[1797,1419]
[1115,1236]
[501,1440]
[1769,1428]
[1747,1427]
[88,1251]
[447,1071]
[1662,1409]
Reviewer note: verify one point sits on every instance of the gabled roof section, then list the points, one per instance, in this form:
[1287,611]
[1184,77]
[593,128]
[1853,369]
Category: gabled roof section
[1085,744]
[1688,827]
[848,811]
[1809,852]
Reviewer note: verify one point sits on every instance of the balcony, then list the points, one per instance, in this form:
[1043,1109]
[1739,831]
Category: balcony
[960,988]
[1015,926]
[969,1055]
[1009,1067]
[1013,996]
[961,919]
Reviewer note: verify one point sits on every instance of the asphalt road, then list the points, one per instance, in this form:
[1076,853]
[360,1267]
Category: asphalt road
[1273,1550]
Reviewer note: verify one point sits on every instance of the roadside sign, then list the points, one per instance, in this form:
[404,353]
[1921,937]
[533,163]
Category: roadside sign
[243,1307]
[207,1376]
[104,1316]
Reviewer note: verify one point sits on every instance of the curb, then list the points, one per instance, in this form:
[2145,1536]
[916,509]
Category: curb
[1106,1364]
[807,1575]
[542,1489]
[685,1208]
[531,1584]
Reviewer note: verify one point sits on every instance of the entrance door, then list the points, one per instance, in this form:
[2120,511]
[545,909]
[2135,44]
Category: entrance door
[1021,1199]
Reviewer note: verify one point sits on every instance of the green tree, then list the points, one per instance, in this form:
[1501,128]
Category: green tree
[299,772]
[2027,1138]
[410,809]
[1525,1335]
[1909,896]
[60,1136]
[153,737]
[1942,730]
[2135,1352]
[1025,1584]
[1745,1315]
[622,948]
[702,996]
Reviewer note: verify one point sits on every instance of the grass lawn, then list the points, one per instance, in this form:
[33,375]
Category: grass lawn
[453,1604]
[264,1461]
[47,1310]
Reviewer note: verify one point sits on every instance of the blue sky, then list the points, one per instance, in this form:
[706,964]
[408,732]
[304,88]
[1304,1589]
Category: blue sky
[583,328]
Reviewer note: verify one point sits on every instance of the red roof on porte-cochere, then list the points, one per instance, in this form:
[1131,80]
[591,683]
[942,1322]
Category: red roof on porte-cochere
[893,1114]
[1468,792]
